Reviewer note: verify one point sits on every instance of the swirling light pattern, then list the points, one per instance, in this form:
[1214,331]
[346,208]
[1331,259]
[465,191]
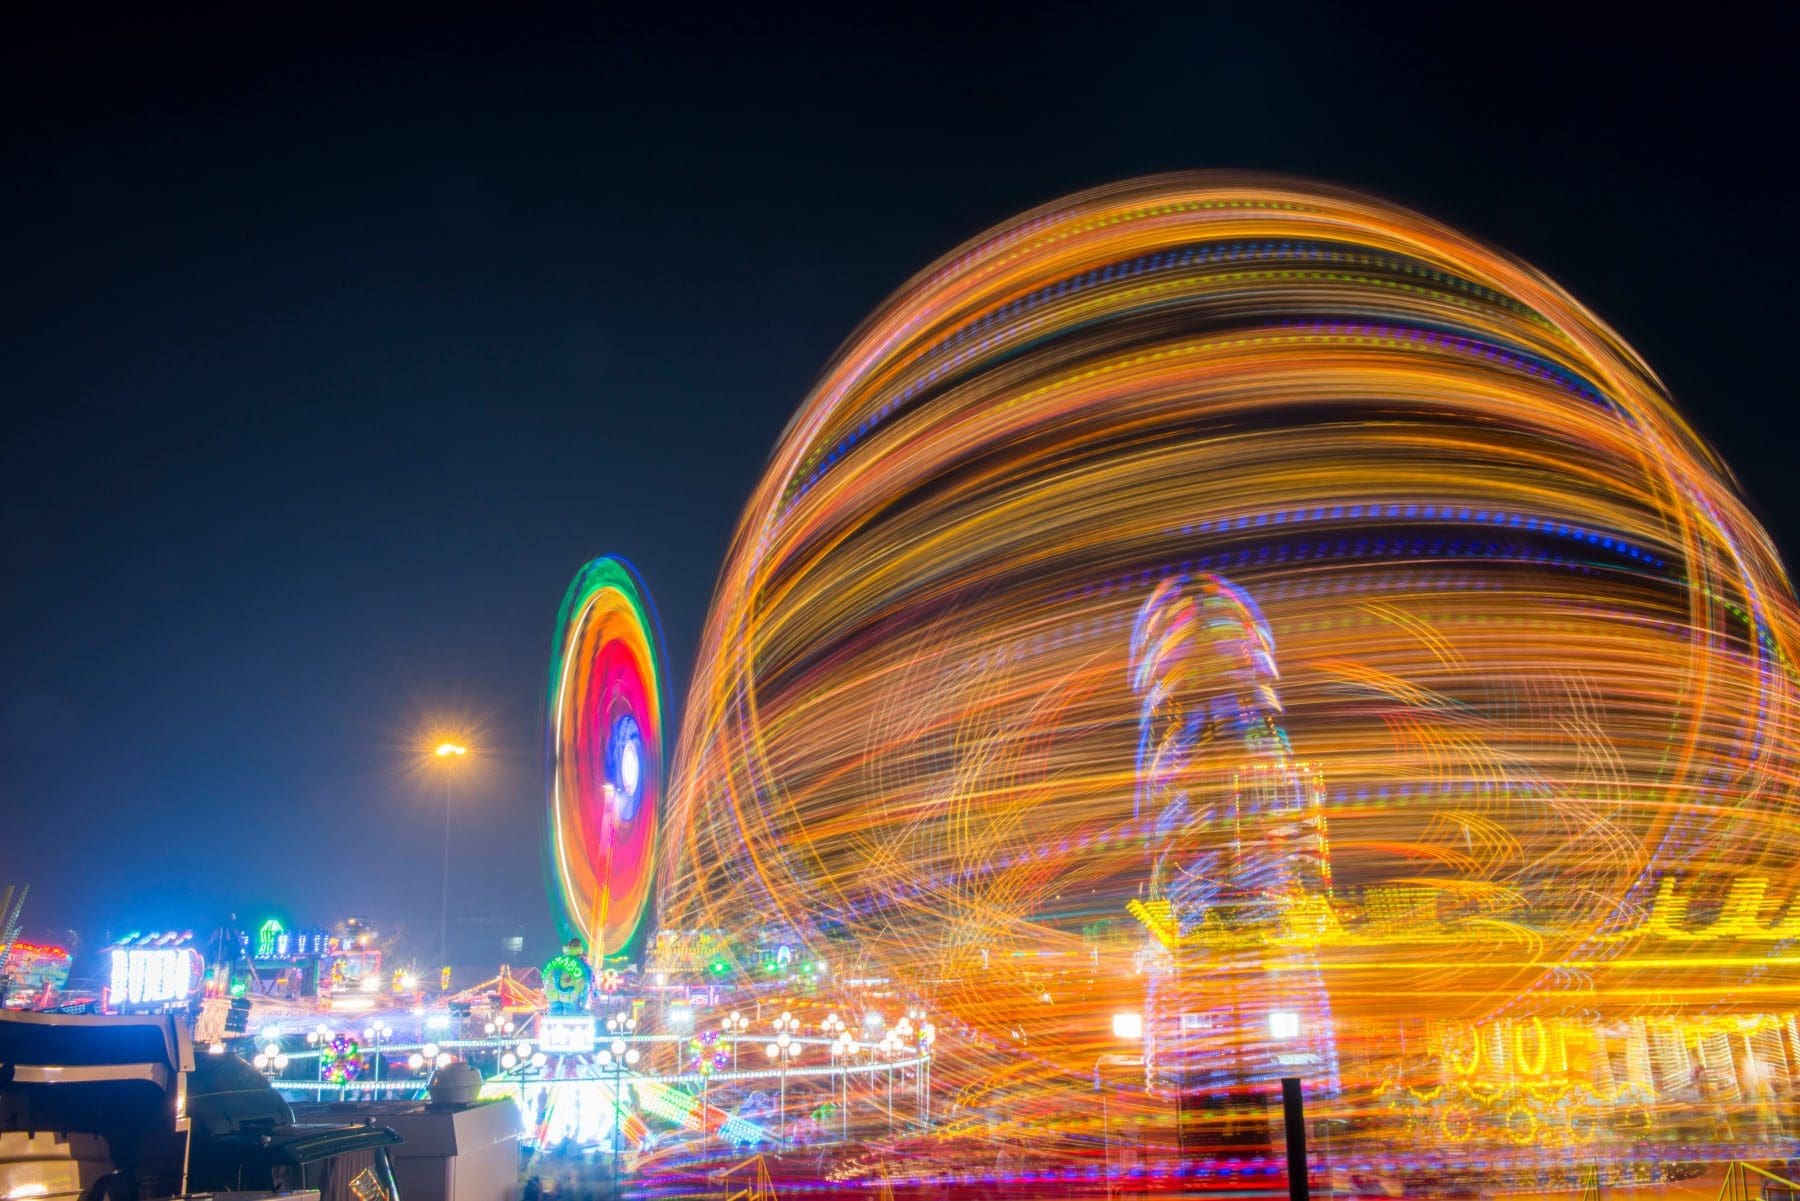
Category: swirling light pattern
[1535,667]
[603,737]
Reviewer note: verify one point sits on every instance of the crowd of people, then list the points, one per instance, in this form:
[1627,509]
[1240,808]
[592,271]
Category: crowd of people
[568,1177]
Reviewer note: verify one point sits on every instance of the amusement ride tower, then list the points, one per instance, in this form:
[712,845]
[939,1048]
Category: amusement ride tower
[1240,868]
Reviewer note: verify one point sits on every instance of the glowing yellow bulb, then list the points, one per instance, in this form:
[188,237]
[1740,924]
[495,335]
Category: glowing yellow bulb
[446,749]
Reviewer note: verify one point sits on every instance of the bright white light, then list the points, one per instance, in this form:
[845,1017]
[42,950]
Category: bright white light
[567,1035]
[772,1050]
[605,1057]
[524,1050]
[272,1050]
[431,1050]
[871,1020]
[680,1015]
[281,1062]
[631,1056]
[443,1060]
[539,1060]
[618,1046]
[438,1021]
[369,983]
[1128,1025]
[261,1061]
[629,767]
[1283,1024]
[153,975]
[489,1029]
[415,1061]
[509,1061]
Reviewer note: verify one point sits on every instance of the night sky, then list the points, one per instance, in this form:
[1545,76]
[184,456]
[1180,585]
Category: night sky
[331,351]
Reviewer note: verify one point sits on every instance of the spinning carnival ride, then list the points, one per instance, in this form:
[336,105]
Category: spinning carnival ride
[1503,852]
[605,754]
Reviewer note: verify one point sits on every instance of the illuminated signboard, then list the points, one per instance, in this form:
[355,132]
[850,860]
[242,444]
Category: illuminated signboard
[153,975]
[566,1035]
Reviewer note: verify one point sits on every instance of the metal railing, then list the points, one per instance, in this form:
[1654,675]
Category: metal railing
[752,1181]
[1747,1182]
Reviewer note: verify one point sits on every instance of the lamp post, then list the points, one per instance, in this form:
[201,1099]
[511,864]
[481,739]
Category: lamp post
[780,1052]
[891,1048]
[844,1048]
[1284,1026]
[618,1055]
[1127,1027]
[735,1028]
[271,1059]
[502,1028]
[840,1046]
[448,754]
[374,1035]
[927,1040]
[429,1056]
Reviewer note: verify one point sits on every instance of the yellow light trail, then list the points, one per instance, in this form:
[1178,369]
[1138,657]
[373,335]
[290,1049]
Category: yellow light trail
[1529,643]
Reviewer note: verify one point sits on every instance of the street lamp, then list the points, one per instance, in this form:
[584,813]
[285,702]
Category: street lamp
[843,1048]
[1128,1027]
[891,1048]
[448,754]
[518,1058]
[735,1027]
[271,1059]
[785,1048]
[618,1055]
[375,1034]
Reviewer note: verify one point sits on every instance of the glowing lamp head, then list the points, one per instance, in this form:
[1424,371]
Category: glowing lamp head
[1284,1024]
[1126,1025]
[450,750]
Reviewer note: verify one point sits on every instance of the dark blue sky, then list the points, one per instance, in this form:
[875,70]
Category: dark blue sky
[331,351]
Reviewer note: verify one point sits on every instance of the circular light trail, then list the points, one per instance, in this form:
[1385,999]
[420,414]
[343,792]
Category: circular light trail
[1522,742]
[604,746]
